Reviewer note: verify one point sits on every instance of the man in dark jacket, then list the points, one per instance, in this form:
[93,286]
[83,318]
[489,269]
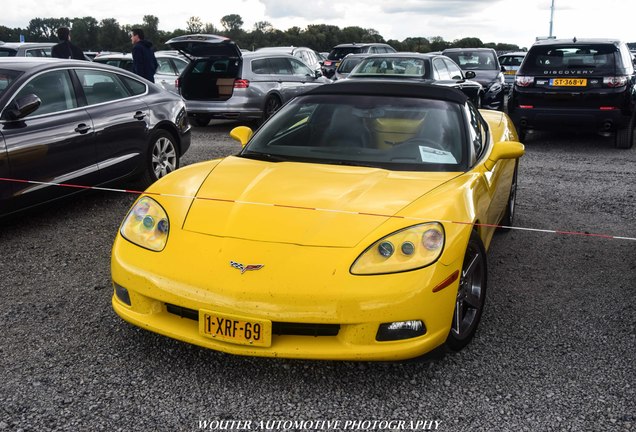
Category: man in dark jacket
[65,49]
[144,61]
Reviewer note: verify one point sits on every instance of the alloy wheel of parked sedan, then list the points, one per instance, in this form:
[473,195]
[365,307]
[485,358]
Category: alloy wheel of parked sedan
[164,155]
[471,295]
[272,104]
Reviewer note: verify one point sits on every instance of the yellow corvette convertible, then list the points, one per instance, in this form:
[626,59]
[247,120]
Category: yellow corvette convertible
[352,225]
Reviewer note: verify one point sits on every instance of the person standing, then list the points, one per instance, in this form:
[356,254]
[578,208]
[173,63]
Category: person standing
[65,49]
[144,61]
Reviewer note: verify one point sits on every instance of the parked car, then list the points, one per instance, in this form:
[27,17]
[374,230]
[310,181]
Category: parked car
[581,84]
[488,72]
[84,124]
[171,64]
[423,68]
[308,56]
[223,82]
[347,64]
[331,234]
[510,63]
[25,49]
[338,52]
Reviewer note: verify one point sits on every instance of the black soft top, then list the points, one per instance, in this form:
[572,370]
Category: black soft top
[384,87]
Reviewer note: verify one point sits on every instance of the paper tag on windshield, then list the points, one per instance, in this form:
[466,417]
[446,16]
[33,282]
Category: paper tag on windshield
[433,155]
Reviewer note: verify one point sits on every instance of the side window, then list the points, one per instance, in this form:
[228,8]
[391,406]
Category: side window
[136,87]
[281,66]
[477,130]
[101,86]
[127,64]
[164,66]
[54,89]
[440,69]
[300,68]
[261,67]
[180,65]
[454,71]
[35,52]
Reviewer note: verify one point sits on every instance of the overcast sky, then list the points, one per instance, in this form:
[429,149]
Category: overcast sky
[507,21]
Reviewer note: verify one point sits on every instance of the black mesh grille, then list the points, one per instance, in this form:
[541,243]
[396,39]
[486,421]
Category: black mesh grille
[278,328]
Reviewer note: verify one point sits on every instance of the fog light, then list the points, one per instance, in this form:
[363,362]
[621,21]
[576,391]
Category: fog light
[400,330]
[122,294]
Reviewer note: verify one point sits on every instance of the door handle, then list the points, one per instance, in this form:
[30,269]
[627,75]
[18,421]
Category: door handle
[82,128]
[139,115]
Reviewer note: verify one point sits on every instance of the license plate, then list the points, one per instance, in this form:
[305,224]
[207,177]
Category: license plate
[510,72]
[568,82]
[235,329]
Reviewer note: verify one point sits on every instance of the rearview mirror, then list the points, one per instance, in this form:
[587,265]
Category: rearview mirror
[470,74]
[241,134]
[504,150]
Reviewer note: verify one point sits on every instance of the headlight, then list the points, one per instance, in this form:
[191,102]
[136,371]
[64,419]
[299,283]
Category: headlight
[495,87]
[146,225]
[408,249]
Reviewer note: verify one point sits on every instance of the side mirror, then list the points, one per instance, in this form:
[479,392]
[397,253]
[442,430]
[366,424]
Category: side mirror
[503,69]
[470,74]
[22,107]
[241,134]
[318,73]
[504,150]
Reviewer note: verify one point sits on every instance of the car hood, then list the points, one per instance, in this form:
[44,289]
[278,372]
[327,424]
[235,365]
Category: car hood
[301,203]
[485,77]
[205,45]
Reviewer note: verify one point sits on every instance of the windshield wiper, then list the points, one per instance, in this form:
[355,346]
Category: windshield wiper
[264,156]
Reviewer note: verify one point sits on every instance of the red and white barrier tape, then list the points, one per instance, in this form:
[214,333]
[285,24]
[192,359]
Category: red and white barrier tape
[130,191]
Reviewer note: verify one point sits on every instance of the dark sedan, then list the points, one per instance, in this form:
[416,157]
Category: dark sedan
[78,123]
[427,68]
[488,72]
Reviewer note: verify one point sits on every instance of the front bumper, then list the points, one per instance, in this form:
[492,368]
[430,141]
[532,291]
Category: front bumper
[166,300]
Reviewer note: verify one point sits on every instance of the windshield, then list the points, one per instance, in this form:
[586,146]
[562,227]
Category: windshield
[339,53]
[7,76]
[348,64]
[474,60]
[396,133]
[393,66]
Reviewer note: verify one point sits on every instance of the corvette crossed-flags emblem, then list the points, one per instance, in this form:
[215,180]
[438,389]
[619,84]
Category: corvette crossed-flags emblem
[243,268]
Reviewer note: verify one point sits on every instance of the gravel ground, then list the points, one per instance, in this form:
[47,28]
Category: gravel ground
[555,350]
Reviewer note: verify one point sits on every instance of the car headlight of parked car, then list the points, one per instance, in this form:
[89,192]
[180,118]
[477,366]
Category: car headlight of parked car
[497,85]
[408,249]
[146,225]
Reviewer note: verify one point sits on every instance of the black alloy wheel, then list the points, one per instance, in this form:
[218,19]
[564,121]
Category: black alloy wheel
[471,295]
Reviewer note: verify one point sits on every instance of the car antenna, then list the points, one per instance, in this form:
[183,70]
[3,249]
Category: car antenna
[574,40]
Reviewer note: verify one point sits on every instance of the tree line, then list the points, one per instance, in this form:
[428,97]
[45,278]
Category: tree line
[108,35]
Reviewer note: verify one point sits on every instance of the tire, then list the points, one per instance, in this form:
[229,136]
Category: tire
[625,136]
[509,216]
[521,133]
[272,104]
[161,158]
[471,295]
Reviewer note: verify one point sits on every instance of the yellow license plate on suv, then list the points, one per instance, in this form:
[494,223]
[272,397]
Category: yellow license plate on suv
[235,329]
[568,82]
